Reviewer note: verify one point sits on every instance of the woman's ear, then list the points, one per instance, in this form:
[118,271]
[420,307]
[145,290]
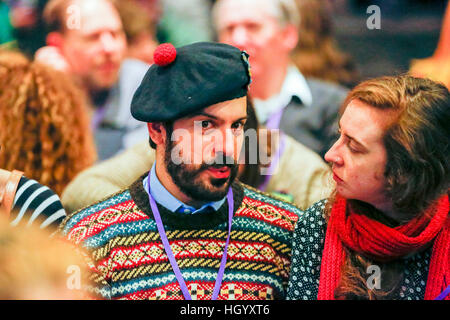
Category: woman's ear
[157,132]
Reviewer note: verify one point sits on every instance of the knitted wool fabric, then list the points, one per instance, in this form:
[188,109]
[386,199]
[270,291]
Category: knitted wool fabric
[129,257]
[382,243]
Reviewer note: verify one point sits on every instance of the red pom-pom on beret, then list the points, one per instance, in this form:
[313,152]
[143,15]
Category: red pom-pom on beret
[164,54]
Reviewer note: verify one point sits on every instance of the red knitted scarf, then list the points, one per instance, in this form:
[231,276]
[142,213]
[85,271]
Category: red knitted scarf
[382,243]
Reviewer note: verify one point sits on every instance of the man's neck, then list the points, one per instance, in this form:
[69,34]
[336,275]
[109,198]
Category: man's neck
[99,97]
[268,84]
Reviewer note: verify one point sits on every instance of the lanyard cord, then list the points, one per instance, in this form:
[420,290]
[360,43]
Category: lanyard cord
[171,256]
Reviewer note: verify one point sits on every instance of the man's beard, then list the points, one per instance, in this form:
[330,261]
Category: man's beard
[187,179]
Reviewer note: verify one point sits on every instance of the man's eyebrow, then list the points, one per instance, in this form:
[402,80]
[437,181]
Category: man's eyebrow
[202,113]
[205,114]
[243,118]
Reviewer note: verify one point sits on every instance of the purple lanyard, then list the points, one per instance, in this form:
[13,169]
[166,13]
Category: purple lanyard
[271,124]
[173,262]
[274,121]
[275,159]
[443,294]
[99,115]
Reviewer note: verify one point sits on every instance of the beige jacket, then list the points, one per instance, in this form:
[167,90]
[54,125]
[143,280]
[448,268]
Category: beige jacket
[301,173]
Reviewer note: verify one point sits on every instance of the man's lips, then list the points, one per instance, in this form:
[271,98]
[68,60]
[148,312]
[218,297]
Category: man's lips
[220,172]
[109,66]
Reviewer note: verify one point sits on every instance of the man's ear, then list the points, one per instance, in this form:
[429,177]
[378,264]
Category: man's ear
[157,132]
[290,36]
[54,39]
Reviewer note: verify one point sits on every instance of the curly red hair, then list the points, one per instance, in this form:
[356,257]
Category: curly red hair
[45,127]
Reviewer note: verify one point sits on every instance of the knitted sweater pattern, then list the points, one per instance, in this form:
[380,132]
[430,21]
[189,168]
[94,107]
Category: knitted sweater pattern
[129,261]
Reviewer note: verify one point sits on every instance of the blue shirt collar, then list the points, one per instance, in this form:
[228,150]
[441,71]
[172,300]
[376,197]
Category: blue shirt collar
[167,200]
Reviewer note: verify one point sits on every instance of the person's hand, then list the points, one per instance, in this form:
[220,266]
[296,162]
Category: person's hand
[52,57]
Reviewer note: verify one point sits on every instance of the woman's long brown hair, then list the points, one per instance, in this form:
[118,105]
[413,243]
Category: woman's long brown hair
[317,54]
[44,124]
[417,141]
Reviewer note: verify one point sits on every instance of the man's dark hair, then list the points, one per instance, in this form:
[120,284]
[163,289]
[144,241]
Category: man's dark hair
[54,15]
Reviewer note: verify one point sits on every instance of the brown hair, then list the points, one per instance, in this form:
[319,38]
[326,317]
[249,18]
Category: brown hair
[417,141]
[45,128]
[316,54]
[134,19]
[54,15]
[252,171]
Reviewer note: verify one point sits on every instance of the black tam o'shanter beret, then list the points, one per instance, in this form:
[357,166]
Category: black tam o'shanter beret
[190,78]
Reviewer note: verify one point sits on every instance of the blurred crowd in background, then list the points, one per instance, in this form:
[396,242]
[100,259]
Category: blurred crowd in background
[61,112]
[410,29]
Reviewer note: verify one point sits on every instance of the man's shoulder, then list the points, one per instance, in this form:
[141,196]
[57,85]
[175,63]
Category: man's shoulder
[132,72]
[326,92]
[297,152]
[326,86]
[270,206]
[134,68]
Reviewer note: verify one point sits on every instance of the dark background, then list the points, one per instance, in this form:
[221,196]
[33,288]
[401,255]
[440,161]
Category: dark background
[410,29]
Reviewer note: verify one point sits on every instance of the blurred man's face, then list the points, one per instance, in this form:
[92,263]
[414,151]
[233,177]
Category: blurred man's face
[96,46]
[250,25]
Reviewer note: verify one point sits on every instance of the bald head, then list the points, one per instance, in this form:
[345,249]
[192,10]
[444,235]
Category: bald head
[90,36]
[284,11]
[63,15]
[267,30]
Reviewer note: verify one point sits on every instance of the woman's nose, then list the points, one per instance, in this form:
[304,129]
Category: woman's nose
[333,156]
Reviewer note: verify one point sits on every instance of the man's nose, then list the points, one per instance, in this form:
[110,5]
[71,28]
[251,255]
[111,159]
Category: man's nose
[228,145]
[109,42]
[240,37]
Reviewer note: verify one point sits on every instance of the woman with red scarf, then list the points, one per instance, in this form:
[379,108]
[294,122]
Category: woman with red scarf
[385,232]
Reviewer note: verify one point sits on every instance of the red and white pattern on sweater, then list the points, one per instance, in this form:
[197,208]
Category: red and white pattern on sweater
[104,219]
[268,213]
[203,291]
[153,252]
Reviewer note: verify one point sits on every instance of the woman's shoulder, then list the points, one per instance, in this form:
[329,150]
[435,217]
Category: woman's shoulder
[307,247]
[309,234]
[315,214]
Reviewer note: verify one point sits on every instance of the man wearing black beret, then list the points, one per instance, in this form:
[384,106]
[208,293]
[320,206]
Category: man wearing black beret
[187,229]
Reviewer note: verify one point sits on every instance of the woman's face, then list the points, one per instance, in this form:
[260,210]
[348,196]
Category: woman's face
[358,158]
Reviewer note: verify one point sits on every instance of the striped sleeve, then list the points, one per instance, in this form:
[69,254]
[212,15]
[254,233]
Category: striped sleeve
[33,202]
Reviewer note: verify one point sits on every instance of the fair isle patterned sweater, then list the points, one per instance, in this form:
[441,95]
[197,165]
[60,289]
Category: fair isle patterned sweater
[129,261]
